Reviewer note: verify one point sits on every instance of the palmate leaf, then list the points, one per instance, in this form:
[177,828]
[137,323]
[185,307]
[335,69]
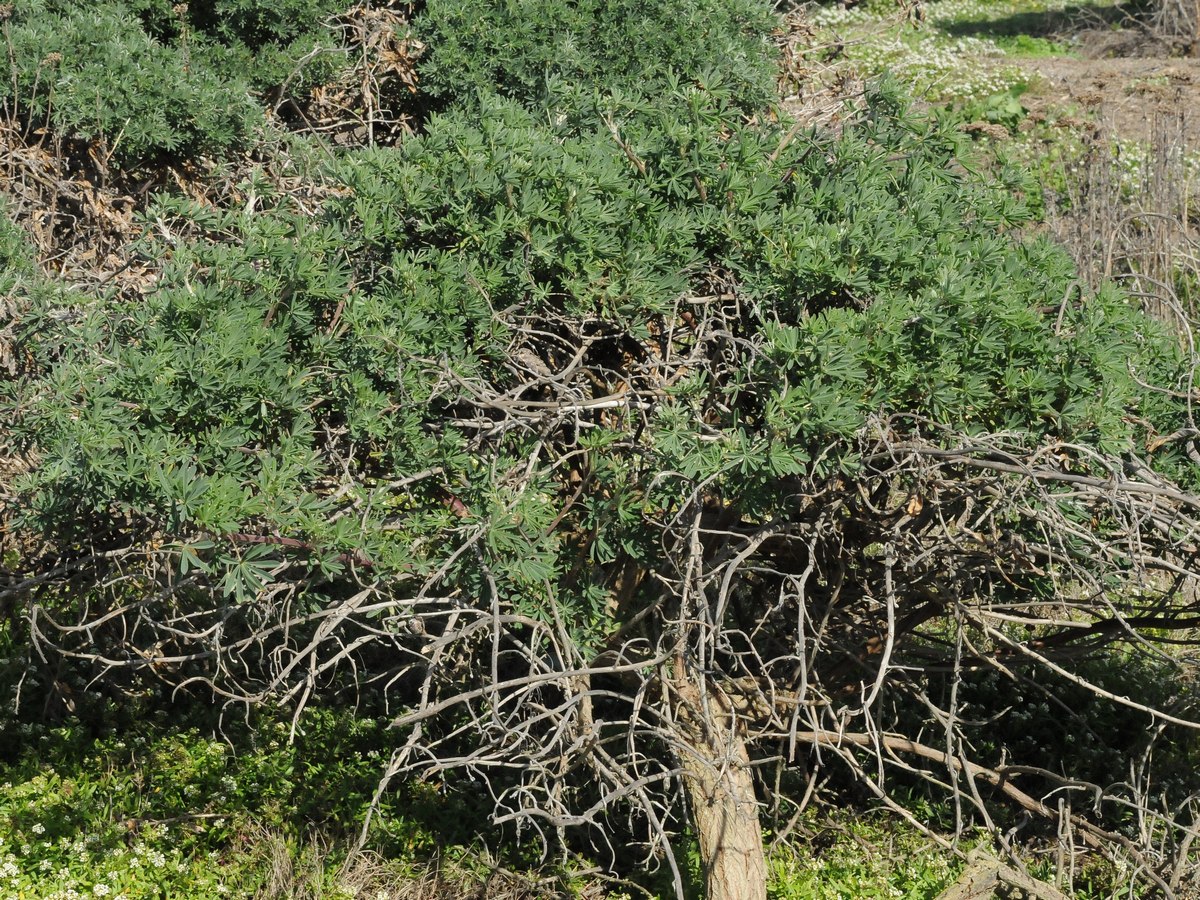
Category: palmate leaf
[248,572]
[566,366]
[190,558]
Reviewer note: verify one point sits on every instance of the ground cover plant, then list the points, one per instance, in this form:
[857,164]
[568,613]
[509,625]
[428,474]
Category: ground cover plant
[158,808]
[148,80]
[639,454]
[947,51]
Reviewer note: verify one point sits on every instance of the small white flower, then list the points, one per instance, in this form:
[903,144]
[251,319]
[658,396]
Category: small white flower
[101,890]
[38,828]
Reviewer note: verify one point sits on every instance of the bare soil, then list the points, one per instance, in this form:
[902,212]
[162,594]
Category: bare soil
[1124,95]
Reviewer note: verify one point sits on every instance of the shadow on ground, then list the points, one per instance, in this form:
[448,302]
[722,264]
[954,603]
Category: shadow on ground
[1051,23]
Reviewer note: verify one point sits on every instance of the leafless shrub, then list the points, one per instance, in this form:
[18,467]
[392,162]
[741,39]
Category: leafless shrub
[815,90]
[1179,22]
[370,101]
[1132,215]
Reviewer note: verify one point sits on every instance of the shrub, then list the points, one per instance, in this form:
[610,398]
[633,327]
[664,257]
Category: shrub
[91,72]
[500,424]
[255,25]
[531,49]
[150,78]
[266,341]
[16,256]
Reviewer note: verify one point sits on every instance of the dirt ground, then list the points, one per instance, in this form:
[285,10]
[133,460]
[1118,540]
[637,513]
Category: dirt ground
[1133,97]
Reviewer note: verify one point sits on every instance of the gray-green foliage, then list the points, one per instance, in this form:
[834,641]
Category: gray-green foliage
[146,79]
[95,74]
[16,256]
[150,78]
[327,434]
[533,50]
[876,276]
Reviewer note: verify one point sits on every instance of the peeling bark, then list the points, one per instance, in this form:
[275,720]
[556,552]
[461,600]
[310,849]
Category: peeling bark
[720,789]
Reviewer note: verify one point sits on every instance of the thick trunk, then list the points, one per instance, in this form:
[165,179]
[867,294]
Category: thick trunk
[716,771]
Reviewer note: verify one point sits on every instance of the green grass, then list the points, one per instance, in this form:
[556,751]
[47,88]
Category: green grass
[1029,46]
[162,811]
[861,856]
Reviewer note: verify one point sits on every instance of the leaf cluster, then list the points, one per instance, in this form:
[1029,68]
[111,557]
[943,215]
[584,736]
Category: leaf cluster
[481,383]
[875,276]
[533,50]
[147,78]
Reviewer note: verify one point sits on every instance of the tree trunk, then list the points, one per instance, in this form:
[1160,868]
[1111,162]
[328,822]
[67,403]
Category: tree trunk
[716,771]
[1196,31]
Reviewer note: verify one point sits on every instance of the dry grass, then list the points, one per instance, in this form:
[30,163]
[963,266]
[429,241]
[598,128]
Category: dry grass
[1132,214]
[64,196]
[371,100]
[815,89]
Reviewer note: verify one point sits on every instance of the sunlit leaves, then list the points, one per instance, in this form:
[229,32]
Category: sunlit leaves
[548,51]
[286,369]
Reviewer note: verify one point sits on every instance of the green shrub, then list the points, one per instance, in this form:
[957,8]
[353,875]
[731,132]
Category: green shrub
[875,277]
[16,256]
[255,24]
[265,42]
[18,276]
[94,74]
[150,78]
[532,49]
[450,396]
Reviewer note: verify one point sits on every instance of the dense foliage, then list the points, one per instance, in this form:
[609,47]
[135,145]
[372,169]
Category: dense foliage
[537,50]
[152,79]
[872,277]
[584,381]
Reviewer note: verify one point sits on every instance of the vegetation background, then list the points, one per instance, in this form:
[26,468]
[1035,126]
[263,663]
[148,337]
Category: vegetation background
[439,436]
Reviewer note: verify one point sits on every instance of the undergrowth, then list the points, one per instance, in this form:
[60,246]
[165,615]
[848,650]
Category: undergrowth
[596,187]
[196,809]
